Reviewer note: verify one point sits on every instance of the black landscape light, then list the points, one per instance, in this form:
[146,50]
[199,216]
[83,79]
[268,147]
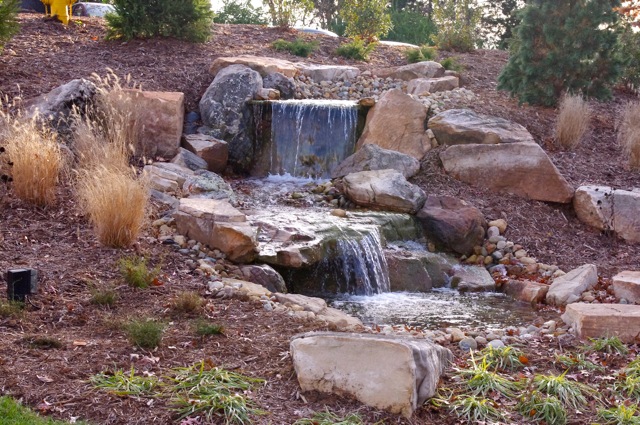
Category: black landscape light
[20,283]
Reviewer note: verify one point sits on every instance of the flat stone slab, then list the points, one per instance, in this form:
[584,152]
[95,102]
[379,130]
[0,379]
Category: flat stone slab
[425,86]
[567,288]
[328,72]
[397,373]
[604,320]
[261,64]
[626,285]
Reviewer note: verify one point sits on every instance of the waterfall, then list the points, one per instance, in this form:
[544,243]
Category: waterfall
[310,137]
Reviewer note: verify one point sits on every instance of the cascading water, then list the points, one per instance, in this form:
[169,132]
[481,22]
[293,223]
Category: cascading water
[310,137]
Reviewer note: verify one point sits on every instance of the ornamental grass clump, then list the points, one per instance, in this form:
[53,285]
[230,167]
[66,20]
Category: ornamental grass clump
[123,383]
[482,381]
[629,134]
[543,409]
[474,409]
[573,121]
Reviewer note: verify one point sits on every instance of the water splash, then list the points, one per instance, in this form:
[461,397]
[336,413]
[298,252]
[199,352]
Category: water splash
[309,138]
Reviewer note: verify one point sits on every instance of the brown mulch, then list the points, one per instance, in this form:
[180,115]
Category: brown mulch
[59,242]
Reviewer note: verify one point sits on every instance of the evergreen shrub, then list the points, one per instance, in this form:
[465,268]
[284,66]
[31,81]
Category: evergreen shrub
[411,27]
[8,23]
[240,12]
[366,19]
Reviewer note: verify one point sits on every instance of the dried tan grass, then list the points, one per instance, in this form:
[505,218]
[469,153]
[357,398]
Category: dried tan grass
[629,134]
[573,121]
[36,159]
[116,203]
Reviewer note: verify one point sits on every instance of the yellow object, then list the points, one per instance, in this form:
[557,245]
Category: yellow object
[59,8]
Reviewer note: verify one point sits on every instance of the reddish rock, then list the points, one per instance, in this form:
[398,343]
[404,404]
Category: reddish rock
[526,290]
[604,320]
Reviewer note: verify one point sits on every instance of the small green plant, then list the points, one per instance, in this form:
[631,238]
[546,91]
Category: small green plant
[356,49]
[423,53]
[299,47]
[213,392]
[123,383]
[482,381]
[570,393]
[187,302]
[136,273]
[474,410]
[577,361]
[633,368]
[608,345]
[204,328]
[330,418]
[13,413]
[505,358]
[451,64]
[144,333]
[628,386]
[620,415]
[11,308]
[545,409]
[105,297]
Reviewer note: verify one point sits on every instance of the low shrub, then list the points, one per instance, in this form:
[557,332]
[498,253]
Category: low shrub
[474,409]
[11,308]
[629,134]
[240,12]
[299,47]
[356,49]
[411,27]
[330,418]
[458,24]
[539,408]
[451,64]
[105,297]
[366,19]
[136,273]
[573,121]
[187,302]
[144,333]
[8,24]
[204,328]
[423,53]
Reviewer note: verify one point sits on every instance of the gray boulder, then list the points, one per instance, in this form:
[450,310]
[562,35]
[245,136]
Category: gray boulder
[264,275]
[464,126]
[568,288]
[55,107]
[398,373]
[205,184]
[189,160]
[215,152]
[472,279]
[372,157]
[285,85]
[226,114]
[453,223]
[384,189]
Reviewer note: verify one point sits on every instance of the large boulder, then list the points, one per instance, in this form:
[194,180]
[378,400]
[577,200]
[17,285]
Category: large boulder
[159,117]
[464,126]
[264,275]
[384,189]
[426,86]
[397,122]
[526,290]
[523,169]
[425,69]
[213,151]
[205,184]
[238,241]
[606,208]
[55,107]
[226,114]
[568,288]
[320,73]
[604,320]
[372,157]
[398,373]
[407,273]
[263,65]
[472,279]
[626,285]
[453,223]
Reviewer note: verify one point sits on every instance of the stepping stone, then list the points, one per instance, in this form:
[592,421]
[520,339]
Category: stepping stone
[604,320]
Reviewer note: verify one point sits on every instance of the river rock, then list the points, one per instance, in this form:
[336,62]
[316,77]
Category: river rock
[205,184]
[55,107]
[397,122]
[226,114]
[523,169]
[626,285]
[407,273]
[213,151]
[320,73]
[464,126]
[426,86]
[604,320]
[384,189]
[337,319]
[263,65]
[285,85]
[264,275]
[425,69]
[606,208]
[526,290]
[568,288]
[372,157]
[472,279]
[398,373]
[453,223]
[189,160]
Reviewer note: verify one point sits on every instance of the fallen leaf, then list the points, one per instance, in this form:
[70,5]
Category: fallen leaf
[44,378]
[79,343]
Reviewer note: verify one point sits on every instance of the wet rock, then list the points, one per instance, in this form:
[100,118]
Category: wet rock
[372,157]
[384,189]
[264,275]
[568,288]
[213,151]
[472,279]
[452,223]
[398,374]
[407,273]
[603,320]
[285,85]
[526,290]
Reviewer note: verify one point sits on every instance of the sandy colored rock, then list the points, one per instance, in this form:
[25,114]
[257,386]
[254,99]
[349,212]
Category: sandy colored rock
[213,151]
[397,122]
[425,69]
[328,72]
[606,208]
[238,241]
[372,157]
[523,169]
[626,285]
[567,288]
[604,320]
[397,374]
[425,86]
[526,290]
[262,65]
